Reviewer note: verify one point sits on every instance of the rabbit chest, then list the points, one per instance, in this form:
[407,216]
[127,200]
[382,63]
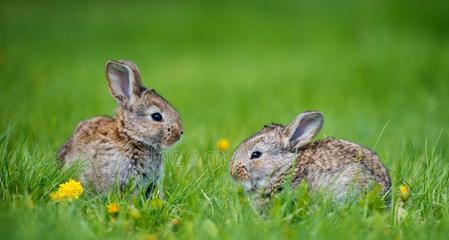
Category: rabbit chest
[123,163]
[141,165]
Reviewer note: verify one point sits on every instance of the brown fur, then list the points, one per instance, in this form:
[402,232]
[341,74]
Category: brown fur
[129,146]
[337,167]
[326,155]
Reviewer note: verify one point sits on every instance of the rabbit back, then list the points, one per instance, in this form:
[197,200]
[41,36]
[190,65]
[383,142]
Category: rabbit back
[340,167]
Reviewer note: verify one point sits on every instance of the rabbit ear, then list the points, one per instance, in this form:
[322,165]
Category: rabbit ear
[303,129]
[124,81]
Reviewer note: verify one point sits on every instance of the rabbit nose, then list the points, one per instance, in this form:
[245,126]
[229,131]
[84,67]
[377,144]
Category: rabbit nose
[176,129]
[239,172]
[181,130]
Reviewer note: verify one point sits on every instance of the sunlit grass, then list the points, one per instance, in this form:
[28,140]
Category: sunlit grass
[377,70]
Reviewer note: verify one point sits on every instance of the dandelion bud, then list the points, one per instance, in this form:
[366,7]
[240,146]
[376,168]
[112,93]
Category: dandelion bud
[404,193]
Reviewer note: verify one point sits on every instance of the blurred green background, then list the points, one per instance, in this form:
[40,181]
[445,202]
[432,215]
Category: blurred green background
[230,66]
[378,70]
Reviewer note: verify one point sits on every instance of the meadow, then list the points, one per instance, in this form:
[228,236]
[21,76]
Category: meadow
[378,70]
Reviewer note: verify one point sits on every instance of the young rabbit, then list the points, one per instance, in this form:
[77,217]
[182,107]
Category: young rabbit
[263,162]
[129,146]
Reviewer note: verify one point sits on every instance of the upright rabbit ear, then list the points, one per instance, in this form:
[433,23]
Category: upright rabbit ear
[124,81]
[303,129]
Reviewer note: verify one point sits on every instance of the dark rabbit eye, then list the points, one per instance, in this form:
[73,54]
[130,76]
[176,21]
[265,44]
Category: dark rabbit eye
[156,117]
[256,154]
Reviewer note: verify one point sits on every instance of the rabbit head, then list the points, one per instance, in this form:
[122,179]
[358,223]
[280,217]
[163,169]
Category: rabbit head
[142,113]
[264,157]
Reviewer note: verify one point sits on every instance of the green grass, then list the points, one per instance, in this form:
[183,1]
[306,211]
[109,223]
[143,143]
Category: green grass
[379,70]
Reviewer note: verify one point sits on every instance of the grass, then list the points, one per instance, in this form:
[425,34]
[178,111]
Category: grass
[378,70]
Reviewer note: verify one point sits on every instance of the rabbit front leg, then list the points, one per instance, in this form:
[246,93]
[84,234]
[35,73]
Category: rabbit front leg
[152,185]
[160,181]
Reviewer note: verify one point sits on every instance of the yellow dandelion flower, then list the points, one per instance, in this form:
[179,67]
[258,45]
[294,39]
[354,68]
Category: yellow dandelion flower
[223,144]
[69,190]
[113,208]
[404,193]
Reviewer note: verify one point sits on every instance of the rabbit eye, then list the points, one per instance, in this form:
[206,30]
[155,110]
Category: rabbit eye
[256,154]
[156,117]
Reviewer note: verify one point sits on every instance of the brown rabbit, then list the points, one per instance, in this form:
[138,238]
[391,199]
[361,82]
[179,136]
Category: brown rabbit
[129,146]
[263,162]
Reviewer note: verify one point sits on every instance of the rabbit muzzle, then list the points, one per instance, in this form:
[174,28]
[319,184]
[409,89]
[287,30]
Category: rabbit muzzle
[239,172]
[172,135]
